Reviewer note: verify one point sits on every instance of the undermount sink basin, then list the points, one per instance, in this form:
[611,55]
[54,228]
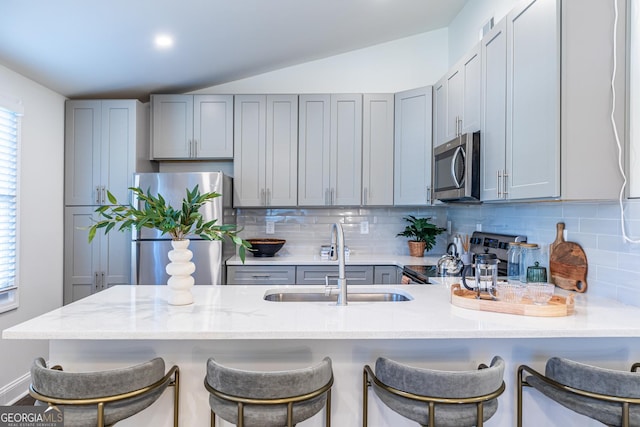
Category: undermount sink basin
[300,295]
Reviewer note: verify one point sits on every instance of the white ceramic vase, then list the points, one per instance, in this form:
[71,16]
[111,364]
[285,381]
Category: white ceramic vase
[180,269]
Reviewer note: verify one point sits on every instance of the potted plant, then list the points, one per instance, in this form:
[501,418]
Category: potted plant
[421,233]
[156,213]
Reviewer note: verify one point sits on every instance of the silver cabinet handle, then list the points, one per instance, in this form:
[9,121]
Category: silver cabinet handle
[102,281]
[95,281]
[195,149]
[428,195]
[499,178]
[263,199]
[268,203]
[97,195]
[331,199]
[326,196]
[260,276]
[364,196]
[504,184]
[104,195]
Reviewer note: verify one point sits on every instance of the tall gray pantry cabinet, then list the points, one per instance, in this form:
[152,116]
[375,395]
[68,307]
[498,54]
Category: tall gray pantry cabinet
[106,141]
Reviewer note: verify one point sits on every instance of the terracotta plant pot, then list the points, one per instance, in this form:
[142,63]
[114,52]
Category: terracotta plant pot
[416,248]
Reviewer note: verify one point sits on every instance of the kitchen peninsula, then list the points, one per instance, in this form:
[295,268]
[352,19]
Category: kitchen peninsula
[234,324]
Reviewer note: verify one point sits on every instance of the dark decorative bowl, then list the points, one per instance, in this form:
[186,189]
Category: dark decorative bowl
[265,247]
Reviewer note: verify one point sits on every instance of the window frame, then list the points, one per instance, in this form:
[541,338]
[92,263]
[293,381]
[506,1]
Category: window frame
[14,106]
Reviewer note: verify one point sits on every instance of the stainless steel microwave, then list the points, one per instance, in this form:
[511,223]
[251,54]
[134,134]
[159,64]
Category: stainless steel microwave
[456,169]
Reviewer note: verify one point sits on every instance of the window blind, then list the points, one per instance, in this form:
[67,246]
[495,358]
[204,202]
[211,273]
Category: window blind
[8,207]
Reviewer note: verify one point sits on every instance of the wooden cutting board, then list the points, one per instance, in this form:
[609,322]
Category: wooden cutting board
[567,263]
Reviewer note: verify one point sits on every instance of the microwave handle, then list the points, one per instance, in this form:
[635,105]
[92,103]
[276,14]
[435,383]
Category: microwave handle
[459,152]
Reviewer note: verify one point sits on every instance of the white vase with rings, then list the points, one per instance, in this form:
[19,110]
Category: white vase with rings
[180,270]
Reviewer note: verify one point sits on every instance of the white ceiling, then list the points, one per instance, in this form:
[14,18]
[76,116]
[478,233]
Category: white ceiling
[93,48]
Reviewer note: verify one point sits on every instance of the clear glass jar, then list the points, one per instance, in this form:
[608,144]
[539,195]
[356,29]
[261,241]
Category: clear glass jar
[513,261]
[530,253]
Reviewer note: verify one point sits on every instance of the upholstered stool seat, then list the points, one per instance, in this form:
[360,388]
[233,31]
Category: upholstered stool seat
[264,399]
[609,396]
[105,397]
[436,398]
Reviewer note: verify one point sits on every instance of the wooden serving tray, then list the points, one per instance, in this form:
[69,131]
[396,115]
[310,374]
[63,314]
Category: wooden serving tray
[558,305]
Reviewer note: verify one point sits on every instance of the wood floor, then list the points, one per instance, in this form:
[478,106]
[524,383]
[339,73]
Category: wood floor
[26,400]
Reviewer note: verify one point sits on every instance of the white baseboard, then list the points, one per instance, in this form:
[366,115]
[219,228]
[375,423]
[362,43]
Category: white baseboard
[12,392]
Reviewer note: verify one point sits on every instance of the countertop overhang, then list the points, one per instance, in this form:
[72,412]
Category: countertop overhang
[240,312]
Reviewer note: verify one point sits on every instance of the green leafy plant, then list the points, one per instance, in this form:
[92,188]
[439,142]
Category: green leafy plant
[156,213]
[421,230]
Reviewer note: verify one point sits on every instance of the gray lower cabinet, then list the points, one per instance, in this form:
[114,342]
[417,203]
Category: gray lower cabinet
[261,275]
[311,274]
[315,274]
[386,274]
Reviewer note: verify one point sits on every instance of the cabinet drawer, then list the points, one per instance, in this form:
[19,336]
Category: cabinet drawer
[261,275]
[315,275]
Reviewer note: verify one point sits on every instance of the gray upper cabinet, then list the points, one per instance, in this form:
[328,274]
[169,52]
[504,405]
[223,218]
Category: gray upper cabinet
[266,150]
[104,141]
[521,100]
[192,127]
[413,147]
[457,99]
[494,112]
[377,149]
[533,101]
[330,150]
[545,121]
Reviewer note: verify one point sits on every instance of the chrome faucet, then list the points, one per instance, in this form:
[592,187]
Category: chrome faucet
[337,253]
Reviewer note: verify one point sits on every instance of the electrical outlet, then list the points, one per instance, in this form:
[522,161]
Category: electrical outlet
[364,227]
[478,226]
[271,227]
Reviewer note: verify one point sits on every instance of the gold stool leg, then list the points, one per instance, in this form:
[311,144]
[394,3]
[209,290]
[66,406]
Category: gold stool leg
[365,399]
[327,421]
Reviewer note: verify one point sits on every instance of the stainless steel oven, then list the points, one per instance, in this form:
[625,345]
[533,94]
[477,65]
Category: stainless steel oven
[456,169]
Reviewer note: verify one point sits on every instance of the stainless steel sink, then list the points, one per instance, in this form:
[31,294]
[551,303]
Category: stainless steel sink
[292,295]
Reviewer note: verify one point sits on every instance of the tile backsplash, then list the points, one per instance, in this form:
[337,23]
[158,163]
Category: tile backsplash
[614,264]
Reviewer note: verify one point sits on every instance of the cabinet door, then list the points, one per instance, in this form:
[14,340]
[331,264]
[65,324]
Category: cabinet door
[439,112]
[92,267]
[81,259]
[533,100]
[172,126]
[346,149]
[261,275]
[471,93]
[118,148]
[494,111]
[377,150]
[453,99]
[314,139]
[385,275]
[82,152]
[315,275]
[413,148]
[281,163]
[212,126]
[250,150]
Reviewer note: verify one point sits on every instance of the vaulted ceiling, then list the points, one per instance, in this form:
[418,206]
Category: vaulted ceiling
[88,48]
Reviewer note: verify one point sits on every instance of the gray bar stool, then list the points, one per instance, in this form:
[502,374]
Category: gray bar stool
[605,395]
[103,398]
[265,399]
[436,398]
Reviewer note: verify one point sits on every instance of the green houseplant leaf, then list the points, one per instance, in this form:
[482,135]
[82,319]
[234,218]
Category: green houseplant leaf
[421,230]
[157,214]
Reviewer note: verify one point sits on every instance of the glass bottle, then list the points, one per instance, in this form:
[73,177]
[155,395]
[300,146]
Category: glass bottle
[528,258]
[513,261]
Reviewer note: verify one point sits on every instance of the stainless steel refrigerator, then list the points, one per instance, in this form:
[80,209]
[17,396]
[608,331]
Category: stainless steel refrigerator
[150,248]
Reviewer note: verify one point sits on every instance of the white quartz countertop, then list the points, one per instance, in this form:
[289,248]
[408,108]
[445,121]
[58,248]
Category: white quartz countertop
[354,259]
[239,312]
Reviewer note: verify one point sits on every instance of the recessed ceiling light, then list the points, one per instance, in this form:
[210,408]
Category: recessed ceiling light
[163,41]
